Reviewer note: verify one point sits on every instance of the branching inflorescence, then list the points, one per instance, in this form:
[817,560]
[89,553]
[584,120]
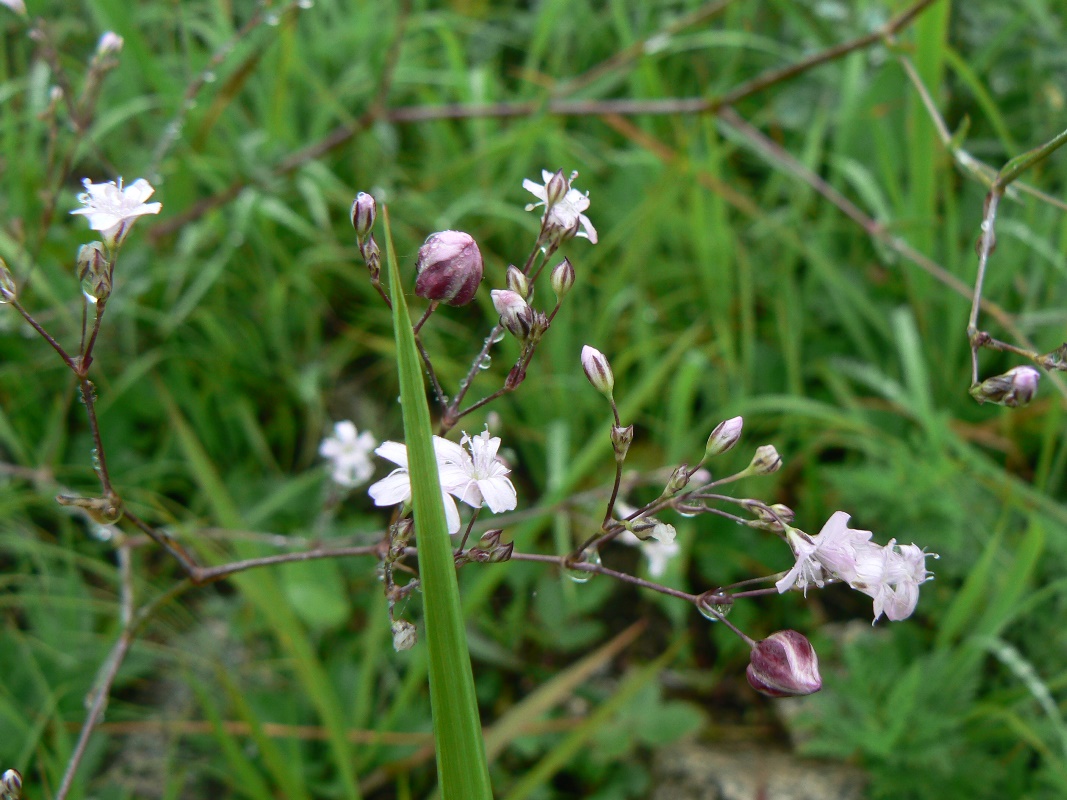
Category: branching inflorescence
[449,270]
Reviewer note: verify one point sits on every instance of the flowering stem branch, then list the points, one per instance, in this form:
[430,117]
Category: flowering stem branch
[44,335]
[88,393]
[87,353]
[1012,170]
[599,569]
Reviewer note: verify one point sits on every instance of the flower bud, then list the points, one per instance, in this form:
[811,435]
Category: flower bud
[769,518]
[404,635]
[621,439]
[364,210]
[372,256]
[679,480]
[556,189]
[516,282]
[515,314]
[562,278]
[94,270]
[1013,389]
[109,44]
[765,461]
[8,289]
[598,370]
[11,785]
[726,434]
[449,268]
[784,665]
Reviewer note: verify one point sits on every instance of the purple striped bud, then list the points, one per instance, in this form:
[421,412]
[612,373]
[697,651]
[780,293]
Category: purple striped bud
[562,278]
[516,282]
[724,437]
[784,665]
[598,370]
[449,268]
[364,210]
[515,314]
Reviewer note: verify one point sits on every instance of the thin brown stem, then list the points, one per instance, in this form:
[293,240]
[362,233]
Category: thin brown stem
[45,335]
[88,393]
[600,569]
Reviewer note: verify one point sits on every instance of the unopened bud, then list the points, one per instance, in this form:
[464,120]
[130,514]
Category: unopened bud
[562,278]
[8,289]
[765,461]
[1057,359]
[364,210]
[516,282]
[784,665]
[11,784]
[621,439]
[679,480]
[94,270]
[598,370]
[556,189]
[769,518]
[449,268]
[515,314]
[109,44]
[404,635]
[726,434]
[372,256]
[1015,388]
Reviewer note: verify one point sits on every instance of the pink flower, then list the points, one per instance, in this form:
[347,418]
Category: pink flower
[891,575]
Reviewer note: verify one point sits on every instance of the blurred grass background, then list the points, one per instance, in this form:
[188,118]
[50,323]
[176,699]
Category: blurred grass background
[722,285]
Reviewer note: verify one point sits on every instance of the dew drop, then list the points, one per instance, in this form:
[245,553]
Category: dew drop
[499,337]
[272,19]
[209,77]
[485,363]
[94,457]
[305,4]
[581,576]
[713,611]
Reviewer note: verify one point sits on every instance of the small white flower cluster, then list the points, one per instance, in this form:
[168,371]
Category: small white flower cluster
[890,574]
[474,476]
[348,452]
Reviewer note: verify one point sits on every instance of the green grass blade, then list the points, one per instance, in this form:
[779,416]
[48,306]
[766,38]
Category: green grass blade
[461,767]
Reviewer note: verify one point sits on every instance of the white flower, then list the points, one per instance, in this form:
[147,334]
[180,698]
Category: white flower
[395,488]
[657,551]
[478,478]
[113,208]
[891,575]
[831,553]
[563,217]
[349,454]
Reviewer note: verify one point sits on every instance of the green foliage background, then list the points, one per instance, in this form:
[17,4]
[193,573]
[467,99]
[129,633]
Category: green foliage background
[722,285]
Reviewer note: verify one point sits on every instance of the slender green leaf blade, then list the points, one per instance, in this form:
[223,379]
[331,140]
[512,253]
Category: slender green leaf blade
[461,764]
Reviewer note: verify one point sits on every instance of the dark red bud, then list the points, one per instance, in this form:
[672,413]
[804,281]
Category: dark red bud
[784,665]
[449,268]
